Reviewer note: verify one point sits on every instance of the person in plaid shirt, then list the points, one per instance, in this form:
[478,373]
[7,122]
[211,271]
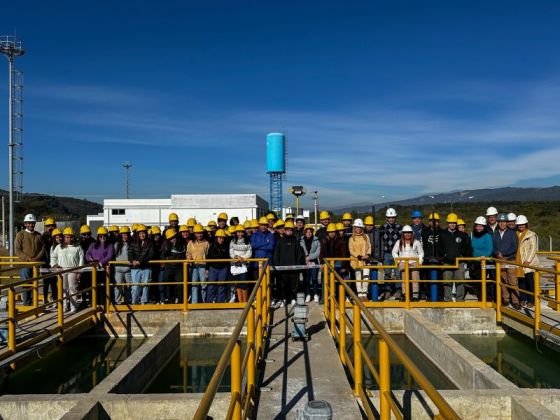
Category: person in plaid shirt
[391,233]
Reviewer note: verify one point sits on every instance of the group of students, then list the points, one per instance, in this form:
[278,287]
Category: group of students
[294,250]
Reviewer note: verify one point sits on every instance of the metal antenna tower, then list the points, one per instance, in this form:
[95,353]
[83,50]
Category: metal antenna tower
[11,47]
[18,135]
[127,165]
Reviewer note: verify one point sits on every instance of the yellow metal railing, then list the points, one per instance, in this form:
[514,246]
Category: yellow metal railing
[16,315]
[184,284]
[336,317]
[256,317]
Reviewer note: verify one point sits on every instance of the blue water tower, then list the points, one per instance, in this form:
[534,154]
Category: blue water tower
[276,168]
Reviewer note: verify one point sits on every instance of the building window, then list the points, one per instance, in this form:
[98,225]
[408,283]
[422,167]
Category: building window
[117,212]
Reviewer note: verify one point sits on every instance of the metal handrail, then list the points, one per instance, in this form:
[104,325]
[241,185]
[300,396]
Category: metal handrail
[44,276]
[444,408]
[232,344]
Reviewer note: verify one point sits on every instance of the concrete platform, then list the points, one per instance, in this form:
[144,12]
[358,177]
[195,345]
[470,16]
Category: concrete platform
[298,372]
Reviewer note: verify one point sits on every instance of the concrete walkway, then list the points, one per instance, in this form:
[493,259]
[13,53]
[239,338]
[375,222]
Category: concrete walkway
[298,372]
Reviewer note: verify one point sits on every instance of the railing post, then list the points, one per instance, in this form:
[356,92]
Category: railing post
[108,291]
[60,306]
[342,323]
[374,276]
[498,291]
[12,319]
[325,289]
[557,285]
[537,299]
[35,271]
[185,285]
[357,337]
[384,381]
[251,349]
[332,305]
[260,322]
[266,308]
[434,286]
[406,283]
[236,380]
[94,292]
[483,278]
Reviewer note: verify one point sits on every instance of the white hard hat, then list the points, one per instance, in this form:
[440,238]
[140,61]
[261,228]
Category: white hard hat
[29,218]
[406,228]
[492,211]
[300,217]
[512,217]
[480,220]
[521,220]
[358,223]
[391,212]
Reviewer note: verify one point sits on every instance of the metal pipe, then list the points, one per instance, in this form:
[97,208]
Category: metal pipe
[384,380]
[11,159]
[342,323]
[236,380]
[357,336]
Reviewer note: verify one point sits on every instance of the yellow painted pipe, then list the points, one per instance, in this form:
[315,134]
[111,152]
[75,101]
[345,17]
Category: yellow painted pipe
[236,380]
[357,336]
[384,380]
[342,324]
[251,348]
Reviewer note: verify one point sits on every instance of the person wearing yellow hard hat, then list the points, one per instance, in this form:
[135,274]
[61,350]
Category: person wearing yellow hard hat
[454,244]
[374,236]
[390,233]
[85,238]
[213,226]
[288,252]
[311,246]
[325,219]
[197,249]
[113,234]
[51,283]
[141,251]
[173,221]
[122,271]
[218,271]
[66,256]
[240,250]
[263,243]
[247,227]
[278,228]
[340,229]
[157,269]
[431,237]
[173,248]
[185,235]
[461,225]
[254,227]
[347,222]
[100,251]
[222,221]
[333,246]
[47,239]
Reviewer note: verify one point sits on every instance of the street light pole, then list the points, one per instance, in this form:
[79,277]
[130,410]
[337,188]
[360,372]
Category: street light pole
[315,197]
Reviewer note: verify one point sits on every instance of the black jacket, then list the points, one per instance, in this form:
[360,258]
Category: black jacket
[454,245]
[321,233]
[288,251]
[376,242]
[431,243]
[218,252]
[143,254]
[173,252]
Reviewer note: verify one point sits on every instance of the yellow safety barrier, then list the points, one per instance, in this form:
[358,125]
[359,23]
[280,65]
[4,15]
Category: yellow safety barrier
[184,284]
[16,315]
[355,364]
[256,317]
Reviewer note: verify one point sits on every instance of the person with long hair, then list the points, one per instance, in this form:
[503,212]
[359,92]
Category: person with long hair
[198,250]
[409,247]
[240,250]
[360,251]
[217,270]
[122,271]
[173,248]
[65,256]
[481,242]
[311,246]
[51,282]
[140,253]
[526,254]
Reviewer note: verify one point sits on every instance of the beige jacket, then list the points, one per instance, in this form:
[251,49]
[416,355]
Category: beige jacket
[197,250]
[528,250]
[359,245]
[29,245]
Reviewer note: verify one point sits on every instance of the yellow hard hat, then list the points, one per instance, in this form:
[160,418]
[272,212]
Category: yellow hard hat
[451,218]
[173,217]
[212,223]
[289,217]
[222,216]
[270,216]
[198,228]
[263,221]
[56,231]
[310,227]
[340,226]
[240,228]
[346,216]
[124,229]
[369,220]
[102,231]
[68,231]
[170,233]
[191,222]
[254,224]
[208,228]
[141,228]
[113,228]
[433,216]
[231,229]
[278,224]
[183,228]
[220,233]
[289,225]
[461,222]
[247,224]
[331,227]
[83,229]
[50,221]
[156,230]
[324,215]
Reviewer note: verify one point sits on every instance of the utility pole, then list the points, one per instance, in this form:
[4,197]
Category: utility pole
[127,165]
[315,197]
[11,48]
[3,221]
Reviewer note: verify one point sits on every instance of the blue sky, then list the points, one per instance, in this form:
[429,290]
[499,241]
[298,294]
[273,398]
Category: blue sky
[379,100]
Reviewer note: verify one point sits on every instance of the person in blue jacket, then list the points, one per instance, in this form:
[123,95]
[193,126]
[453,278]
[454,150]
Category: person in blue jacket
[262,243]
[505,248]
[482,245]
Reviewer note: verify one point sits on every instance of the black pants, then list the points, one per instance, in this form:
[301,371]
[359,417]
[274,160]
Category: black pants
[52,283]
[288,282]
[172,273]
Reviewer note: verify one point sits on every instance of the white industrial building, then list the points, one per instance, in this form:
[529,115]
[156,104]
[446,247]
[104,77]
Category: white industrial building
[155,212]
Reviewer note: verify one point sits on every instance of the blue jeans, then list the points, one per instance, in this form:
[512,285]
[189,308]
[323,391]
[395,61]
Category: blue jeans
[140,276]
[198,274]
[27,294]
[217,292]
[312,282]
[389,260]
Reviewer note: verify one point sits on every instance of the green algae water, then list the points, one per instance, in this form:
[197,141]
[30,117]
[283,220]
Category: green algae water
[518,358]
[75,367]
[192,367]
[400,378]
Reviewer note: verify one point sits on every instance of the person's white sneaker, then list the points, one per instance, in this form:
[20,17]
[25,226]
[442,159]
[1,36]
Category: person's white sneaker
[282,303]
[293,301]
[73,311]
[232,299]
[307,298]
[316,298]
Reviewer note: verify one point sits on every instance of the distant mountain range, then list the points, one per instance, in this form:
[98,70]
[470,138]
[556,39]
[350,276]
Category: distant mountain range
[487,195]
